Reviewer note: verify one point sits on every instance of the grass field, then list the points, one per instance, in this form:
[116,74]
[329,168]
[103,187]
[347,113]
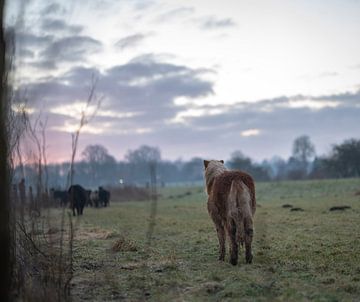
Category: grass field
[309,255]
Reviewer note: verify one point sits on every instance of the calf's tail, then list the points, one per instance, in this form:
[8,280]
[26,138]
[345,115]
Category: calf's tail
[240,209]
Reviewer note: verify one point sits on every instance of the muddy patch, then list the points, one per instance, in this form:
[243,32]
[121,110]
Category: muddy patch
[339,208]
[297,210]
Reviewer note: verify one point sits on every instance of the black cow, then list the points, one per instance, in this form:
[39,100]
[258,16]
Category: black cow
[59,195]
[78,197]
[104,196]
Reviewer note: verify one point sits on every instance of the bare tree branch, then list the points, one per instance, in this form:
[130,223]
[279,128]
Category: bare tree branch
[86,117]
[43,126]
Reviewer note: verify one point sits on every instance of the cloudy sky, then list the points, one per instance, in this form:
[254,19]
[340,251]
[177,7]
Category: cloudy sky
[195,78]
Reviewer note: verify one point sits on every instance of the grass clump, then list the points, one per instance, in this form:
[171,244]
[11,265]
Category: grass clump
[124,245]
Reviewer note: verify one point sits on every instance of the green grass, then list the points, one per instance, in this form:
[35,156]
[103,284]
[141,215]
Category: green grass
[312,255]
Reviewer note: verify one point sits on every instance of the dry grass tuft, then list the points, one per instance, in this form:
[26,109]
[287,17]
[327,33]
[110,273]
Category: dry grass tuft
[94,233]
[124,245]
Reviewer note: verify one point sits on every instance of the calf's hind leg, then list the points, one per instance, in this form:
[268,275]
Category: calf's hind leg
[234,248]
[221,237]
[249,232]
[220,230]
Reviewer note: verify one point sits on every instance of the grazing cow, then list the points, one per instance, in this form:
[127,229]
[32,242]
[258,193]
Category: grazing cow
[77,196]
[61,196]
[104,196]
[94,197]
[231,205]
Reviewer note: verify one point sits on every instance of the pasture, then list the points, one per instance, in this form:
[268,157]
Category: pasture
[309,255]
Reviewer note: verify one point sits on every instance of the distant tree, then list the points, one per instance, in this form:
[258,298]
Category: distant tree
[345,159]
[321,168]
[239,161]
[168,172]
[144,154]
[140,161]
[278,167]
[303,151]
[97,154]
[100,164]
[193,169]
[296,169]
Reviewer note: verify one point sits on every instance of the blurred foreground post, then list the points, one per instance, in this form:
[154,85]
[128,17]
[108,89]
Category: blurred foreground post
[4,175]
[153,196]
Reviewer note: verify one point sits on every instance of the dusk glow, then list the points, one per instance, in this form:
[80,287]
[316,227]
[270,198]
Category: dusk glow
[194,78]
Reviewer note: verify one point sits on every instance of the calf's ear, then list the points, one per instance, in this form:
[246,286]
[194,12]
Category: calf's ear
[206,162]
[222,161]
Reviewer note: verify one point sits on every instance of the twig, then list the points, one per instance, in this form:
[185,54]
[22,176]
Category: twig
[30,239]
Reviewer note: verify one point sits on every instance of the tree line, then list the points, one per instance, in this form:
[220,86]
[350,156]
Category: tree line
[98,167]
[342,161]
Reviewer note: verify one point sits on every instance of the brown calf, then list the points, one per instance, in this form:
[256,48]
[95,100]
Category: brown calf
[231,205]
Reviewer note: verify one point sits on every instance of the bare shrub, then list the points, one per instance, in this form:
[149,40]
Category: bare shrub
[40,260]
[43,268]
[36,241]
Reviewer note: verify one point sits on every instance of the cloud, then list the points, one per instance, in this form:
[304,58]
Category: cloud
[80,75]
[327,74]
[57,25]
[53,8]
[138,93]
[27,45]
[130,41]
[153,86]
[346,98]
[142,4]
[25,53]
[152,57]
[274,116]
[52,91]
[255,131]
[32,40]
[48,51]
[43,64]
[250,132]
[144,70]
[213,22]
[75,110]
[175,13]
[150,90]
[68,49]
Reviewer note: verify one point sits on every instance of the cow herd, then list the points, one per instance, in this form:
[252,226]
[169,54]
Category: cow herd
[78,197]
